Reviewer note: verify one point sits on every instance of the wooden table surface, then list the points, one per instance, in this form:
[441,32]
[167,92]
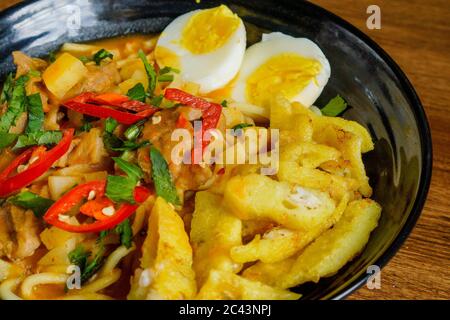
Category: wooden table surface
[416,34]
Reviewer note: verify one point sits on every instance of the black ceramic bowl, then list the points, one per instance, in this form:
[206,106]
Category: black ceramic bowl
[382,97]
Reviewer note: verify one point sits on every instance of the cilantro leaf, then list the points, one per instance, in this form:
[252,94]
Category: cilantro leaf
[79,257]
[16,104]
[38,138]
[7,89]
[120,188]
[35,113]
[101,55]
[137,93]
[29,200]
[335,107]
[6,139]
[132,170]
[151,73]
[125,233]
[162,178]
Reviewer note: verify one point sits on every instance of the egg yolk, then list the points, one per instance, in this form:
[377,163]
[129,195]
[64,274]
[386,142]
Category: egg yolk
[286,73]
[166,58]
[209,29]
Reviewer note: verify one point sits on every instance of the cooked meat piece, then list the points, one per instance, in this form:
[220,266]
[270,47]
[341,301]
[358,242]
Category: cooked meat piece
[19,232]
[186,176]
[99,79]
[25,63]
[90,149]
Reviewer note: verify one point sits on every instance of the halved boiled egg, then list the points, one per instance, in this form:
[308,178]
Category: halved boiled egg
[207,46]
[281,64]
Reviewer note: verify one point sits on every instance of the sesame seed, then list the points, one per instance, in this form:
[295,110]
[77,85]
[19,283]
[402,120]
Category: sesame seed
[91,195]
[63,218]
[108,211]
[22,168]
[34,159]
[156,119]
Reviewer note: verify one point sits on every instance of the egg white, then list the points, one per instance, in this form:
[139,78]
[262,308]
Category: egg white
[212,70]
[272,45]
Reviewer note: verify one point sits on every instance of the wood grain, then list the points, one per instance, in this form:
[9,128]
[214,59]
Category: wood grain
[416,34]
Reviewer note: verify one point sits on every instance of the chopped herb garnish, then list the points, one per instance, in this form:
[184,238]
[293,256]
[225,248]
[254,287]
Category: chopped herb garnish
[111,125]
[242,126]
[79,256]
[29,200]
[7,89]
[114,143]
[156,100]
[16,104]
[52,57]
[120,188]
[165,78]
[86,127]
[137,93]
[134,130]
[85,59]
[125,233]
[151,73]
[34,73]
[7,139]
[38,138]
[166,70]
[35,113]
[132,170]
[224,103]
[162,178]
[335,107]
[101,55]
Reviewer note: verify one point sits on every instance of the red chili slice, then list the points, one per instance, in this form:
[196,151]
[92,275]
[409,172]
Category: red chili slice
[81,192]
[101,106]
[10,184]
[210,111]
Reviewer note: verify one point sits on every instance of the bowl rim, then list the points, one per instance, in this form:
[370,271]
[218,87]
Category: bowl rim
[420,120]
[426,150]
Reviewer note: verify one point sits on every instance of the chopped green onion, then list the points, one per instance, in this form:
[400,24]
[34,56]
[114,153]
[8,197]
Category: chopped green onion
[224,103]
[242,126]
[84,59]
[167,70]
[101,55]
[335,107]
[111,125]
[156,100]
[165,78]
[29,200]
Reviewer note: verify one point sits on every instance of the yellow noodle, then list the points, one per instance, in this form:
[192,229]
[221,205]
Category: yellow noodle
[7,289]
[114,258]
[101,282]
[41,278]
